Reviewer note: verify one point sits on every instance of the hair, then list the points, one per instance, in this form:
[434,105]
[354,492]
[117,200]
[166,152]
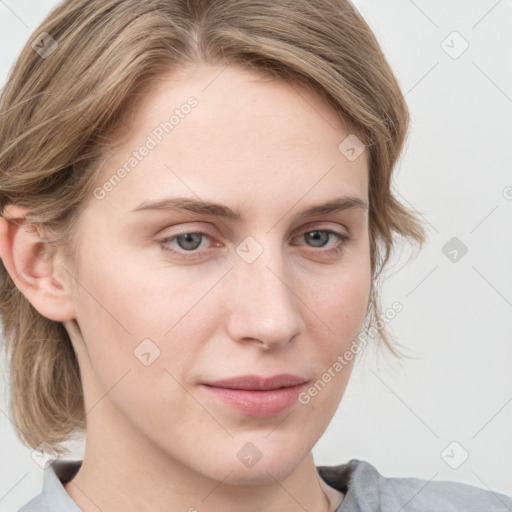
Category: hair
[62,112]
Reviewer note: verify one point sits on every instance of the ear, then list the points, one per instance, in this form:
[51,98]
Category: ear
[33,265]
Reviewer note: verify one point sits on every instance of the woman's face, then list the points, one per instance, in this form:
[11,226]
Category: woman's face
[171,299]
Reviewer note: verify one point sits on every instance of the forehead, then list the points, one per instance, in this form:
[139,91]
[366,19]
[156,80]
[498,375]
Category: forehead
[235,134]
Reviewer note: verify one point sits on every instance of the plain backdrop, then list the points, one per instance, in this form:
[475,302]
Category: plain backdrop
[446,414]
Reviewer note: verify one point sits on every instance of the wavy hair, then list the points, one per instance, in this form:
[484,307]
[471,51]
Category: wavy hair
[62,109]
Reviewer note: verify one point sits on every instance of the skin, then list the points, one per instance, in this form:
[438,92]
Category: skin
[153,434]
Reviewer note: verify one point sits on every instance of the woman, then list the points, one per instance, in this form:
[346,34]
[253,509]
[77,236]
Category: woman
[196,206]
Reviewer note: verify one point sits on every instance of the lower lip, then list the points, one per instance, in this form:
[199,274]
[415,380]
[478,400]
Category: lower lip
[257,403]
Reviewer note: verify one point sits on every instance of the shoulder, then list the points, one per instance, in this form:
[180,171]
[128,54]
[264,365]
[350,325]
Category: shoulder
[366,490]
[53,497]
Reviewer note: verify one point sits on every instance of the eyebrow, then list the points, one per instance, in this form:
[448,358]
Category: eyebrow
[223,211]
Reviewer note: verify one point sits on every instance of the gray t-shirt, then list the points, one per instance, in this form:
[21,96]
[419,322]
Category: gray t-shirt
[366,490]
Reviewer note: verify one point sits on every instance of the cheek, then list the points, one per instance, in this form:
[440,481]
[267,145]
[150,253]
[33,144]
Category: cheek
[137,319]
[339,313]
[339,305]
[128,356]
[349,310]
[137,300]
[114,315]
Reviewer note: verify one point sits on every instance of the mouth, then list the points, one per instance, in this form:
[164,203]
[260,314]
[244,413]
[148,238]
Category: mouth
[257,396]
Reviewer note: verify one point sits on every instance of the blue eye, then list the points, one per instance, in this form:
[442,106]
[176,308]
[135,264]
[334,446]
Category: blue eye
[188,242]
[322,235]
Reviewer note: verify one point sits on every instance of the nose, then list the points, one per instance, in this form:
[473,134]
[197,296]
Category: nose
[262,305]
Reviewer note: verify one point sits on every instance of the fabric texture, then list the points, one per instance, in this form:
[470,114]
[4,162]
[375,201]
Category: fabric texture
[365,489]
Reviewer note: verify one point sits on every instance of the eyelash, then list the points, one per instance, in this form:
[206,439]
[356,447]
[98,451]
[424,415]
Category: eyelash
[337,249]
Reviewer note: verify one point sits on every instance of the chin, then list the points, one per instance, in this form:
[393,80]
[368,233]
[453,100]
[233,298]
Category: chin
[259,466]
[262,473]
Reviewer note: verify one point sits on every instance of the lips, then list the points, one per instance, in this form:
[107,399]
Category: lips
[253,395]
[256,383]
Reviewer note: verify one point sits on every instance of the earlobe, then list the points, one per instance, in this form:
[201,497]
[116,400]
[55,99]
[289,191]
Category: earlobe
[32,264]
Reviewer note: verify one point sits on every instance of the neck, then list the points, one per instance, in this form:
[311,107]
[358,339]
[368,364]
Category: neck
[113,478]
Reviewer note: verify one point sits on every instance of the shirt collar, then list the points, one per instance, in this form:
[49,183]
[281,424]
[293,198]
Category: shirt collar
[58,472]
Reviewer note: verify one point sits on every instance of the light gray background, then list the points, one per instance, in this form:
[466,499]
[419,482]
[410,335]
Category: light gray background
[457,316]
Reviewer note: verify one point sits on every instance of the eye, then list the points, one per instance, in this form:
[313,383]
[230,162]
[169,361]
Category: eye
[189,241]
[186,242]
[319,237]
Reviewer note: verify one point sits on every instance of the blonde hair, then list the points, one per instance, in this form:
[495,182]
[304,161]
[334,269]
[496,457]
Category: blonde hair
[62,112]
